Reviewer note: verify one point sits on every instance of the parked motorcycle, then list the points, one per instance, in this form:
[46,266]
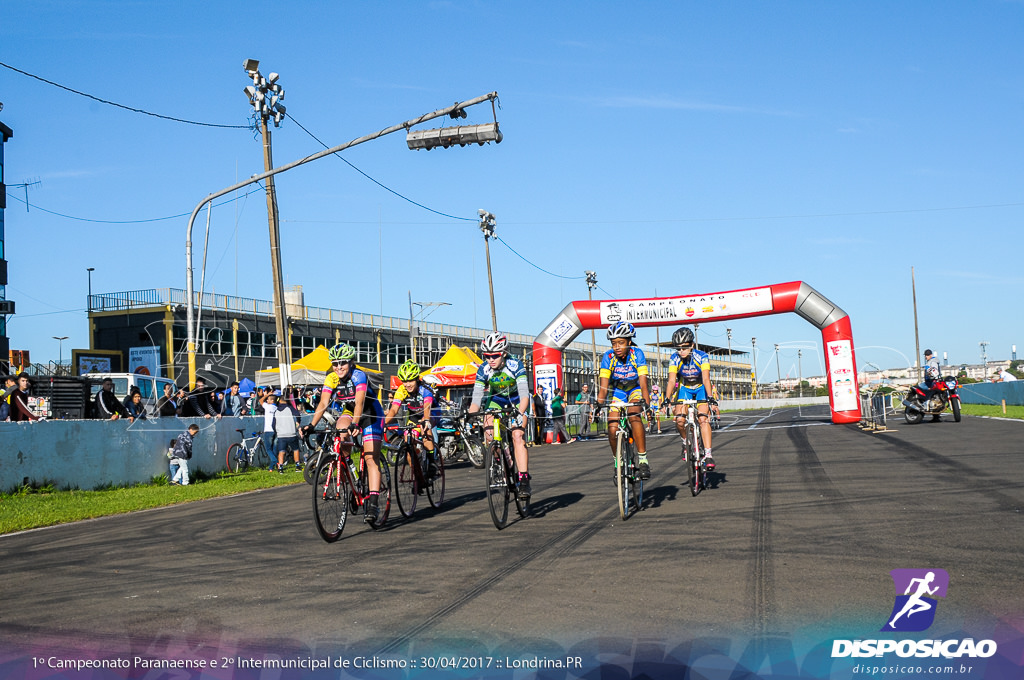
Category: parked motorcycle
[456,437]
[944,393]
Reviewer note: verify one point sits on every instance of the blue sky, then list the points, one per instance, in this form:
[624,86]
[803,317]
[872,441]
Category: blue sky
[673,147]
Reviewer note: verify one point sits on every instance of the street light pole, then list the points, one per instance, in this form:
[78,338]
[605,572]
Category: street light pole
[265,95]
[591,285]
[778,371]
[60,350]
[487,225]
[753,366]
[732,385]
[800,372]
[88,302]
[189,288]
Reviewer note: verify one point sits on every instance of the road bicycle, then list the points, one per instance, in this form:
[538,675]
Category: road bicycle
[693,449]
[411,471]
[629,488]
[342,484]
[501,470]
[317,443]
[250,452]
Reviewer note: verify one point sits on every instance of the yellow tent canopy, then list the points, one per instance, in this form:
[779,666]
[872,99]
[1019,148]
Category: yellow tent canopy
[458,366]
[309,370]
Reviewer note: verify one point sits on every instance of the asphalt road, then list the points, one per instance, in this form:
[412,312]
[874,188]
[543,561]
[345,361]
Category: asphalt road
[794,541]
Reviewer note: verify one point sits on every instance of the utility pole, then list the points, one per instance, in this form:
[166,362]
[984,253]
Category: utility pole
[984,358]
[732,384]
[591,285]
[265,94]
[917,340]
[487,225]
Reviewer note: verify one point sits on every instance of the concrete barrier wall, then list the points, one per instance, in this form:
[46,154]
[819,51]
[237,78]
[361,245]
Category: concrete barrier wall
[993,393]
[89,454]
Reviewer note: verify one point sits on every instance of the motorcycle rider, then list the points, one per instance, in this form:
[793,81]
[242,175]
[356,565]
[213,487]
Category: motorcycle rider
[932,373]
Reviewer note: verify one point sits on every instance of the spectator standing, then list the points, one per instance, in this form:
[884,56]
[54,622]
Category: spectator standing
[233,403]
[136,409]
[10,384]
[585,400]
[558,418]
[166,405]
[268,402]
[18,401]
[539,416]
[181,455]
[200,404]
[108,406]
[287,434]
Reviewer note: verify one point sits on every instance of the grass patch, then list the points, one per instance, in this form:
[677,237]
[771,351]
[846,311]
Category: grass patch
[43,505]
[994,410]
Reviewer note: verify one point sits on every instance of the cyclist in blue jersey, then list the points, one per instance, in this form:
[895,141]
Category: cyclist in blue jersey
[348,386]
[502,379]
[691,368]
[623,383]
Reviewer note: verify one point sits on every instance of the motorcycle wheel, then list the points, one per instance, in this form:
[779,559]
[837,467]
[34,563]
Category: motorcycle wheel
[955,405]
[912,416]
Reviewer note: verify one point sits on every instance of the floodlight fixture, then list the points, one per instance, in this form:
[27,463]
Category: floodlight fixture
[251,65]
[450,136]
[272,78]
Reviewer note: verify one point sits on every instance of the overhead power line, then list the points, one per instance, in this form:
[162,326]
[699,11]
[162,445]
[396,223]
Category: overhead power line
[153,219]
[535,266]
[120,106]
[382,186]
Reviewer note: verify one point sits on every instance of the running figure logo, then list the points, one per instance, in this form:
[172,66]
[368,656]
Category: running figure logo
[915,608]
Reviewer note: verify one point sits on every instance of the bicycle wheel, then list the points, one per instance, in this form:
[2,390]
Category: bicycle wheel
[406,489]
[693,461]
[474,450]
[330,500]
[497,486]
[636,485]
[522,506]
[384,496]
[622,474]
[435,484]
[311,466]
[237,458]
[260,455]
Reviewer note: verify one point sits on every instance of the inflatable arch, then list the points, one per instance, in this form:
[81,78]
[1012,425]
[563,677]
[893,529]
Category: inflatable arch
[795,296]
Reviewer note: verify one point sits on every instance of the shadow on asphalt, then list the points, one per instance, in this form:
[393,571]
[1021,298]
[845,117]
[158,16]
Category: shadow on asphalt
[653,498]
[553,503]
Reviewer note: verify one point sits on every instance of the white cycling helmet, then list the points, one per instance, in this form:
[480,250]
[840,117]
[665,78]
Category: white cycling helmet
[494,343]
[621,329]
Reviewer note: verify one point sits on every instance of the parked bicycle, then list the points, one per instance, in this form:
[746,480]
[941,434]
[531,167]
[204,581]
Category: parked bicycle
[693,449]
[250,452]
[629,487]
[317,443]
[412,472]
[457,437]
[342,484]
[502,472]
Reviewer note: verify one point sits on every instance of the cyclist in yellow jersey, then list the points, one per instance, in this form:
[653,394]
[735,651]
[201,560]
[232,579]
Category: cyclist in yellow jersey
[691,368]
[417,399]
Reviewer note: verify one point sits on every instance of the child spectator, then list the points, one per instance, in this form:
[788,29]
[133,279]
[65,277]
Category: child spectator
[181,454]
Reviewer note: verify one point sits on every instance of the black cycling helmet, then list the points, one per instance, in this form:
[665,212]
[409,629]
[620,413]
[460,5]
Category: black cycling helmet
[683,336]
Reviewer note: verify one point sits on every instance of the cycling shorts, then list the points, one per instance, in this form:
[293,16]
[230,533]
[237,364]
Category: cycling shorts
[697,393]
[372,426]
[620,397]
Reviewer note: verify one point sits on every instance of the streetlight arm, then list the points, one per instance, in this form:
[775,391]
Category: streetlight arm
[192,332]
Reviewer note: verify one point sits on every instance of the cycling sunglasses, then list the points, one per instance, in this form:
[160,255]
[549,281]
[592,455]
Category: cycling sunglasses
[493,356]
